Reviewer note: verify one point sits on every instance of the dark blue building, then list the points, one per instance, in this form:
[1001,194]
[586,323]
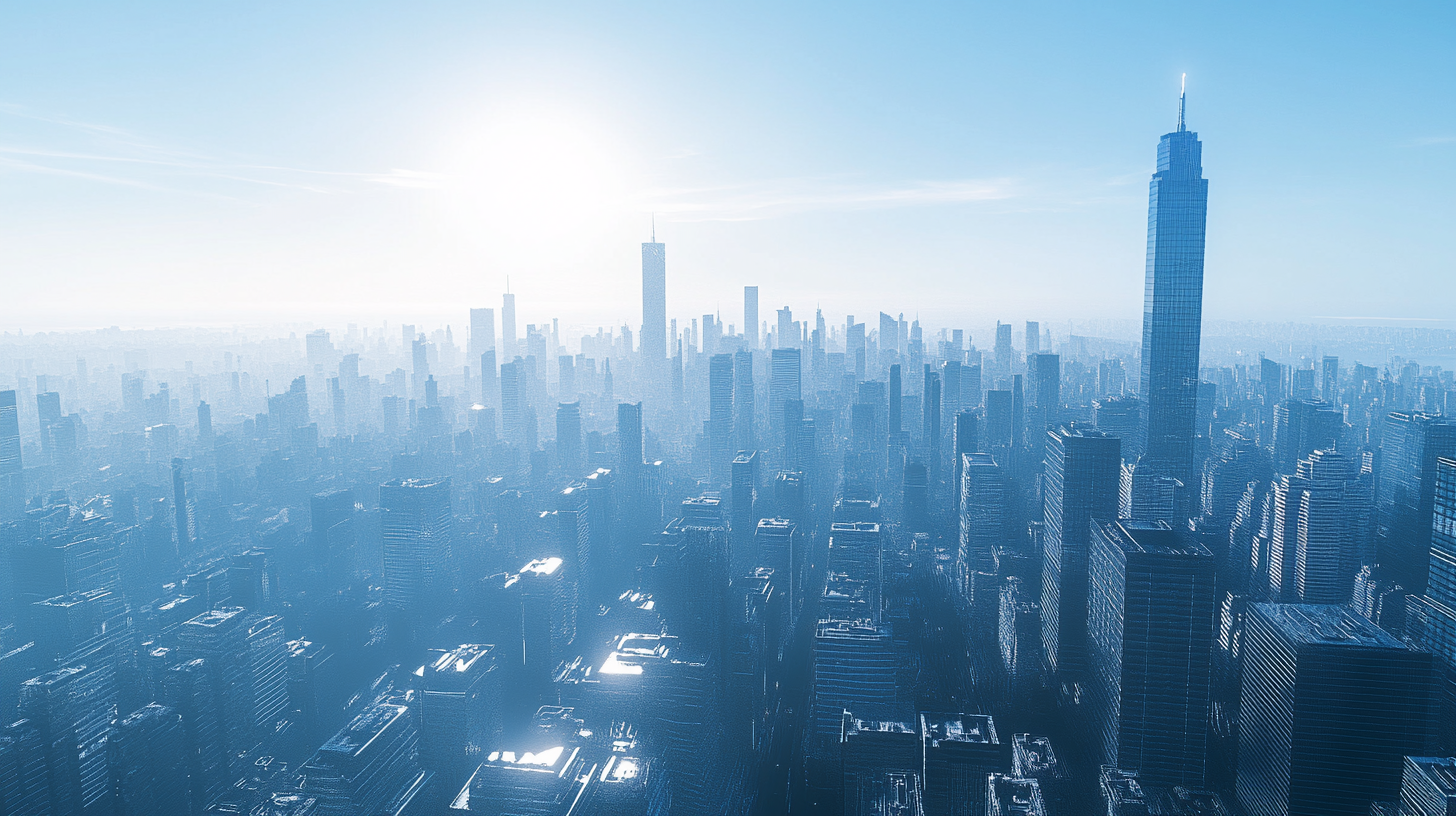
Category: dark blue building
[1173,304]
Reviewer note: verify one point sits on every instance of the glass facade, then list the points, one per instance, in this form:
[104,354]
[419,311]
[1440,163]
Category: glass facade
[1173,304]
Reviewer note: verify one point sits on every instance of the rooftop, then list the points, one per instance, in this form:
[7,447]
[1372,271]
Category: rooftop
[1151,538]
[1014,797]
[966,728]
[1329,625]
[854,527]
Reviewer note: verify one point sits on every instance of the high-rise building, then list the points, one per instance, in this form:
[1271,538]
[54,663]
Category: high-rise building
[1081,485]
[783,385]
[1301,427]
[958,752]
[458,706]
[1405,499]
[370,765]
[750,318]
[569,455]
[1173,304]
[985,517]
[508,347]
[12,476]
[1150,644]
[854,670]
[720,418]
[653,340]
[743,402]
[1329,709]
[482,332]
[147,753]
[416,524]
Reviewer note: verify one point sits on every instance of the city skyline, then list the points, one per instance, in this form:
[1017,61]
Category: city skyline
[740,529]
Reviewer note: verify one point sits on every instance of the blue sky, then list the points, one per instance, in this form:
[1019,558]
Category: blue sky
[167,164]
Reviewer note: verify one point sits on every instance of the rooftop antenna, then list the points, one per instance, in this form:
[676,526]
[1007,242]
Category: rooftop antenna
[508,284]
[1182,95]
[654,228]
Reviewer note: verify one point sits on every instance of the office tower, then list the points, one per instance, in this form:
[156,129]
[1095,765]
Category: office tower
[188,689]
[743,497]
[1018,636]
[653,341]
[871,748]
[720,418]
[548,603]
[1431,619]
[1302,426]
[23,784]
[147,752]
[785,335]
[1428,786]
[332,537]
[750,318]
[512,402]
[569,455]
[967,440]
[1003,349]
[416,524]
[368,766]
[854,670]
[783,385]
[1120,416]
[204,421]
[1150,643]
[1330,380]
[1033,338]
[753,631]
[508,348]
[1081,484]
[629,437]
[985,517]
[72,708]
[245,661]
[958,752]
[896,399]
[774,539]
[482,332]
[916,497]
[181,510]
[890,340]
[1329,708]
[1046,384]
[1410,445]
[1173,304]
[458,707]
[743,402]
[998,419]
[566,377]
[930,425]
[12,476]
[857,550]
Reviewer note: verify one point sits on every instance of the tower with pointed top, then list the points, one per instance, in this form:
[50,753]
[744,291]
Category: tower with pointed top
[1173,305]
[654,301]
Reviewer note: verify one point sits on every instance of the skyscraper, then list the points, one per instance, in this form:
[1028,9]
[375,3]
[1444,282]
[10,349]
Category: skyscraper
[1150,643]
[750,317]
[720,418]
[1173,304]
[654,302]
[743,401]
[482,332]
[415,520]
[1330,707]
[508,328]
[1082,479]
[12,484]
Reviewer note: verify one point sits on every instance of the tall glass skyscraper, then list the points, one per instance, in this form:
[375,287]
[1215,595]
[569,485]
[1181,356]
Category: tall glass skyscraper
[1173,304]
[654,302]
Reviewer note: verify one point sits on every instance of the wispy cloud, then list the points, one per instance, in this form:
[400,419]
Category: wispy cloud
[776,198]
[1427,141]
[112,155]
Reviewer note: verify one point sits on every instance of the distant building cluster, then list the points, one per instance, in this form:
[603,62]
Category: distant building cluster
[696,567]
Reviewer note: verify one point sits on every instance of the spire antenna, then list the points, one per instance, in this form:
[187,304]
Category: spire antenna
[1182,97]
[654,225]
